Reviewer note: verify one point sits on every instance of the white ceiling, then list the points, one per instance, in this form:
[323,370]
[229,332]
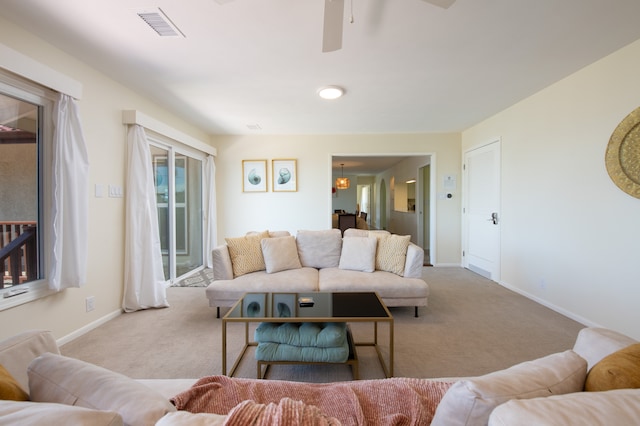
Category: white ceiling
[407,66]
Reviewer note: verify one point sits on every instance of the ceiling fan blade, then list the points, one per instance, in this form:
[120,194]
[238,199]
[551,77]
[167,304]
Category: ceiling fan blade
[333,20]
[445,4]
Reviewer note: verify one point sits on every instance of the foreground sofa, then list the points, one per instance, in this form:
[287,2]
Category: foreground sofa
[545,391]
[362,261]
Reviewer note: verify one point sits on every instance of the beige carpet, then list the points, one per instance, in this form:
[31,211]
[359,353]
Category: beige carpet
[472,326]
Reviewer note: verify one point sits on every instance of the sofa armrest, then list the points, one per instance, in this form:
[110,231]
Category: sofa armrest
[17,352]
[595,343]
[222,268]
[415,261]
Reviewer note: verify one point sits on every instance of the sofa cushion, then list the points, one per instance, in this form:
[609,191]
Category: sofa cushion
[354,232]
[594,343]
[358,254]
[291,281]
[471,401]
[56,378]
[391,254]
[272,234]
[16,352]
[26,413]
[280,254]
[319,249]
[246,253]
[317,334]
[388,286]
[619,370]
[9,387]
[618,407]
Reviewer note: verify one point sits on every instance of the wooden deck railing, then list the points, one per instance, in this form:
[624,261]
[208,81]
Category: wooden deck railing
[18,253]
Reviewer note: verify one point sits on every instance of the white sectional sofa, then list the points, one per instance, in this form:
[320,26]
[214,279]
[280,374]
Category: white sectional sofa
[547,391]
[362,261]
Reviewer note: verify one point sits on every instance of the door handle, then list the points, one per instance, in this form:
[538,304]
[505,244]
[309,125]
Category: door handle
[494,218]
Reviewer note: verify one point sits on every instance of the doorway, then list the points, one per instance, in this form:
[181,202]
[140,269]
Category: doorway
[381,171]
[424,219]
[383,204]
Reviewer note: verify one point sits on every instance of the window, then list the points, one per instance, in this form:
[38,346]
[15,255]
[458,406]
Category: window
[25,139]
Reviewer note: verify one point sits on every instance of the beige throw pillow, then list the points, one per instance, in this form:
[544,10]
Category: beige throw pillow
[280,254]
[246,253]
[391,255]
[619,370]
[358,254]
[56,378]
[470,402]
[9,387]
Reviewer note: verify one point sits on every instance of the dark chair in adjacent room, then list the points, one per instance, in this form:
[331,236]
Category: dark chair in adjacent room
[346,221]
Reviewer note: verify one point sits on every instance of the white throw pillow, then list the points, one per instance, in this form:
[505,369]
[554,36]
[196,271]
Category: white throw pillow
[358,254]
[617,407]
[470,402]
[56,378]
[280,254]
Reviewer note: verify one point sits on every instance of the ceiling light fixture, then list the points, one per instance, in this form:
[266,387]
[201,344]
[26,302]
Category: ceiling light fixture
[342,182]
[331,92]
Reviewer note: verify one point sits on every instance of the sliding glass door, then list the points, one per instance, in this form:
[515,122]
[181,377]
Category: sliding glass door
[178,192]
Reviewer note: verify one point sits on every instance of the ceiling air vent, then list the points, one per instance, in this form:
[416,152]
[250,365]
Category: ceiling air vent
[160,23]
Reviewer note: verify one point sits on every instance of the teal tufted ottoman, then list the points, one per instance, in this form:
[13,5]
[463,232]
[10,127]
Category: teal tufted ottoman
[304,343]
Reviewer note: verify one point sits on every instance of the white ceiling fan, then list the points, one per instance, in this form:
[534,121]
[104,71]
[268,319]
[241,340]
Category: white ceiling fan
[334,19]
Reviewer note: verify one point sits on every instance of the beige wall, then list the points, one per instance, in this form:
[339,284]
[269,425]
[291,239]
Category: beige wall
[101,111]
[570,237]
[310,207]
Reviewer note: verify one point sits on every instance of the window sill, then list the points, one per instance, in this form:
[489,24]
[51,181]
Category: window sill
[35,290]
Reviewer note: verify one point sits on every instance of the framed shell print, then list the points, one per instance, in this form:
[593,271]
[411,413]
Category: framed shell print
[284,174]
[254,175]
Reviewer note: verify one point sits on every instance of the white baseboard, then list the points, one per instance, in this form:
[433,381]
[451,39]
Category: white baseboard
[87,328]
[551,306]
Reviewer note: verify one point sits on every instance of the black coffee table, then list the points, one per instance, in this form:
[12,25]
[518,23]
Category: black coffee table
[309,307]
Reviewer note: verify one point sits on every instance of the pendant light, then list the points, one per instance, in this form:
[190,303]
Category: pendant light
[342,182]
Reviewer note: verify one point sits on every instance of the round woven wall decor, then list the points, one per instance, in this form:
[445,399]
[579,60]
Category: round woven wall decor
[623,154]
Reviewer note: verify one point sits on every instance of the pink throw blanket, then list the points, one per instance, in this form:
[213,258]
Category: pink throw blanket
[394,401]
[286,412]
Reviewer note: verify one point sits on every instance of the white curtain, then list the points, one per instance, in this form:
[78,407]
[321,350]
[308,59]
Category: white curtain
[70,185]
[210,220]
[144,283]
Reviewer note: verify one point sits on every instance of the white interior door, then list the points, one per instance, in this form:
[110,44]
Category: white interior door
[481,213]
